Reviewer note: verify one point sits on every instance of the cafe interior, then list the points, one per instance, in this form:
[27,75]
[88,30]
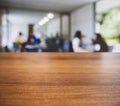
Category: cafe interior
[51,25]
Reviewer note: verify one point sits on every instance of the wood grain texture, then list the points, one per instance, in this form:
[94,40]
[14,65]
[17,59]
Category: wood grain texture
[59,79]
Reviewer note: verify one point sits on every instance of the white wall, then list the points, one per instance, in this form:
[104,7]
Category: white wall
[53,27]
[40,31]
[82,19]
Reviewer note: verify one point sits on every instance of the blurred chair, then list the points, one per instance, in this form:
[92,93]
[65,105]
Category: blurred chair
[67,46]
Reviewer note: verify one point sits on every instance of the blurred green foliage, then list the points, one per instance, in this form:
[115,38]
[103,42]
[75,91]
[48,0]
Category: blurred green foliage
[110,23]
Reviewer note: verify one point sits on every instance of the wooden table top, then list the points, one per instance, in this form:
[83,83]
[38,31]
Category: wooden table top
[59,79]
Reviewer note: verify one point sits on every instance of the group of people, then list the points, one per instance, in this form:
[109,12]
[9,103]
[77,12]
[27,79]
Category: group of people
[31,45]
[58,44]
[98,42]
[34,44]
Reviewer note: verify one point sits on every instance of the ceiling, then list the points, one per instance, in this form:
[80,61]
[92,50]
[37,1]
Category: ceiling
[46,5]
[20,17]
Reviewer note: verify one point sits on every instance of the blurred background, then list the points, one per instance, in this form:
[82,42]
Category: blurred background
[59,26]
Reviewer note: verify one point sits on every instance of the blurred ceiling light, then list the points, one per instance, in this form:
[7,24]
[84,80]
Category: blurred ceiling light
[46,19]
[50,15]
[42,22]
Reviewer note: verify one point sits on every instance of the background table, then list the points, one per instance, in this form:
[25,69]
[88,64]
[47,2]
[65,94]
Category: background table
[59,79]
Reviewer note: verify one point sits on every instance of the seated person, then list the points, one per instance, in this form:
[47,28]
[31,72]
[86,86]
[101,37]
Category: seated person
[77,42]
[19,41]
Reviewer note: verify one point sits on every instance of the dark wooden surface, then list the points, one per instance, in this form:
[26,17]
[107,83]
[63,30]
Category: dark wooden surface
[59,79]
